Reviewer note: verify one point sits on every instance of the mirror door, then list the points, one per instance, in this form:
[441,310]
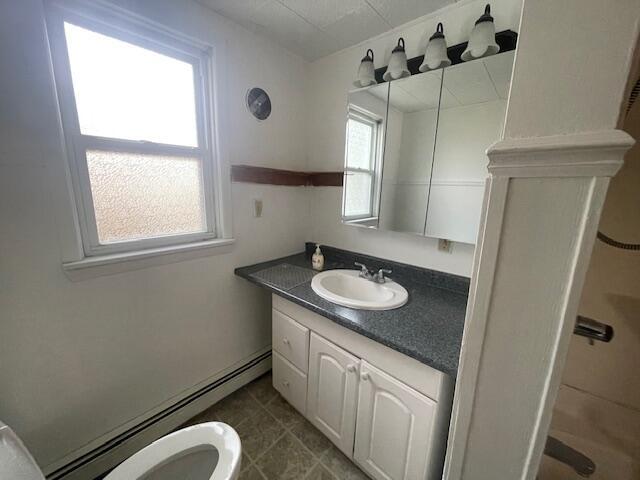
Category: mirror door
[416,158]
[472,113]
[408,154]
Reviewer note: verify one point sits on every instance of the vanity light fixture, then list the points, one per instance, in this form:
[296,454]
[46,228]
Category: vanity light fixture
[436,54]
[483,38]
[366,72]
[397,63]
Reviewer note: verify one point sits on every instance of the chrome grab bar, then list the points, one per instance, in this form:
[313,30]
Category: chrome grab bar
[593,330]
[562,452]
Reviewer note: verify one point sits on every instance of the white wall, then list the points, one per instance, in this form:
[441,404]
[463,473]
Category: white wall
[393,137]
[457,186]
[410,170]
[330,79]
[532,112]
[78,359]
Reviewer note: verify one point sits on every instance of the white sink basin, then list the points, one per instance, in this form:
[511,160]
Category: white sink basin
[346,288]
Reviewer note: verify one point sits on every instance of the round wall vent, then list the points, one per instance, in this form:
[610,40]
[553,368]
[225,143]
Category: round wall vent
[259,103]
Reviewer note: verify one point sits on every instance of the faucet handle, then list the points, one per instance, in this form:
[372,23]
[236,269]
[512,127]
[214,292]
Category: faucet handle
[364,270]
[380,276]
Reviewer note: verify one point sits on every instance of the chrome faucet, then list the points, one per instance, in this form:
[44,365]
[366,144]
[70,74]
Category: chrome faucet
[377,277]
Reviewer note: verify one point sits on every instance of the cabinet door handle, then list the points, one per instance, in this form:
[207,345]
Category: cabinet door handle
[364,376]
[351,367]
[285,340]
[285,383]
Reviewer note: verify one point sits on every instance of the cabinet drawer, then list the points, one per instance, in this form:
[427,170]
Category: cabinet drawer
[290,382]
[291,340]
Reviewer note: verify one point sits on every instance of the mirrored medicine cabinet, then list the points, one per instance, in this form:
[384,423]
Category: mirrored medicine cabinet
[415,158]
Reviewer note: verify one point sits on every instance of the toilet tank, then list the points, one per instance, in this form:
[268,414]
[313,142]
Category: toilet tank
[16,462]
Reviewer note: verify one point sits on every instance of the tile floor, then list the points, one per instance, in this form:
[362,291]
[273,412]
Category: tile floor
[277,442]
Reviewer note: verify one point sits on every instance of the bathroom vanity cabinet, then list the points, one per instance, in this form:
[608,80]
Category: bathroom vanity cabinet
[386,411]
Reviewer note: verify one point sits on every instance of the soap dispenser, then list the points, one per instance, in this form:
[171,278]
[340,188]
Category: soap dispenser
[317,260]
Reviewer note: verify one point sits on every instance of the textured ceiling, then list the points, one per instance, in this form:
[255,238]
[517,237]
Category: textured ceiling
[315,28]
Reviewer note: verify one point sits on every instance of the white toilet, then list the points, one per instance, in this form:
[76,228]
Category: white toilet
[208,451]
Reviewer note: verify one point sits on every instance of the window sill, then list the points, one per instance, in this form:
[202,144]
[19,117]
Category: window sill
[100,265]
[367,222]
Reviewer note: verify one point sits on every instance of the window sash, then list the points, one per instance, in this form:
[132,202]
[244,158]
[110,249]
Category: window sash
[112,24]
[369,213]
[373,124]
[355,115]
[87,143]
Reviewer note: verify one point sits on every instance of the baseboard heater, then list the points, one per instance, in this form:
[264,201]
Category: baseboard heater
[88,457]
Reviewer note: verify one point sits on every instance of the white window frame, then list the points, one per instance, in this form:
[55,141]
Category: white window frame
[114,24]
[362,116]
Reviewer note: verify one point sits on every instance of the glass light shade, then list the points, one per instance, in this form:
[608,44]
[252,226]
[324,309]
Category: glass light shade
[397,63]
[483,38]
[435,55]
[366,71]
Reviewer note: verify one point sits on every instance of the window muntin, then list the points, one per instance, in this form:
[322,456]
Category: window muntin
[360,165]
[138,129]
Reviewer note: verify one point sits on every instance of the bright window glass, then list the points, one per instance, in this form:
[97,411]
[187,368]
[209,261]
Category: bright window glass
[358,200]
[360,144]
[129,92]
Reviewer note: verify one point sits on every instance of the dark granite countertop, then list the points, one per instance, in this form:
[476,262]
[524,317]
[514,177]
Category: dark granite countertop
[428,327]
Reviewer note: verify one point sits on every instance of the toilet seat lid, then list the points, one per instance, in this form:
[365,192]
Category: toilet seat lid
[16,462]
[211,434]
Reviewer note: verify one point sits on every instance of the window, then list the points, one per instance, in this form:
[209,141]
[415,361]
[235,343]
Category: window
[134,103]
[360,165]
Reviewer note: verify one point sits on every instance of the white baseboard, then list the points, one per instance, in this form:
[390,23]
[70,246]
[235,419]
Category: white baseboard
[106,453]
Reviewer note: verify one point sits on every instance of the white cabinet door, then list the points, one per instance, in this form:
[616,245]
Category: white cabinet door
[394,427]
[333,392]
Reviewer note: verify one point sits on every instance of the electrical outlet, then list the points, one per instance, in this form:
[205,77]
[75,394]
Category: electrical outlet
[257,207]
[445,245]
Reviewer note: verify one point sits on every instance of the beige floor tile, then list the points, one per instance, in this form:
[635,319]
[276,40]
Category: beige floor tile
[262,389]
[259,433]
[286,460]
[234,409]
[341,466]
[284,412]
[251,473]
[313,439]
[320,472]
[246,461]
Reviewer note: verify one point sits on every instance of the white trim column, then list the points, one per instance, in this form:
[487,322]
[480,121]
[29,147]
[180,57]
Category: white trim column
[543,202]
[547,182]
